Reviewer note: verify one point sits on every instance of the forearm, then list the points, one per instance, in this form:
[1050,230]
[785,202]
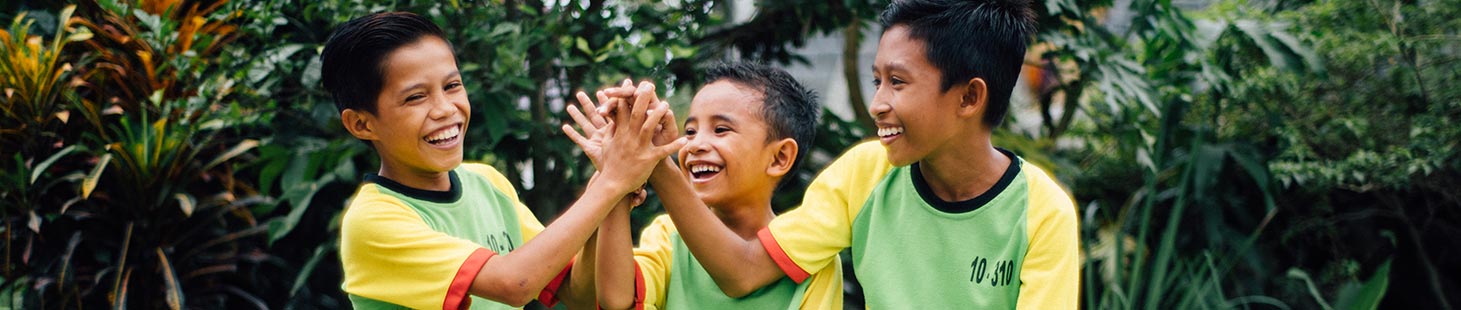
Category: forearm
[739,266]
[616,261]
[515,279]
[580,292]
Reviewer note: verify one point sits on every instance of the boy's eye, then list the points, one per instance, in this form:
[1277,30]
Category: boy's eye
[414,97]
[897,81]
[722,129]
[689,132]
[877,82]
[453,85]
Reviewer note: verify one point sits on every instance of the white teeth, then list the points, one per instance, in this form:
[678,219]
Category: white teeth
[889,131]
[704,168]
[445,134]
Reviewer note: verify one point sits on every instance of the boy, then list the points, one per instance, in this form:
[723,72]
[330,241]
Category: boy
[427,231]
[937,217]
[748,129]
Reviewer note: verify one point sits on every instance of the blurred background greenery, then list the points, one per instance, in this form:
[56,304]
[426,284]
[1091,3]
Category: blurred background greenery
[1264,154]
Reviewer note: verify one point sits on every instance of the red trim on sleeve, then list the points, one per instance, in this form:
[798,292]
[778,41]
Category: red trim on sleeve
[638,287]
[456,294]
[779,256]
[549,295]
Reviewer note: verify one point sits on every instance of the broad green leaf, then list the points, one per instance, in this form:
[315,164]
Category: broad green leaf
[582,46]
[1368,296]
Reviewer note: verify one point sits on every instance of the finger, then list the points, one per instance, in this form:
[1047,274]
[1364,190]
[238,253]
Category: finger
[667,122]
[625,89]
[652,123]
[610,126]
[578,118]
[574,135]
[598,118]
[669,148]
[620,115]
[588,105]
[636,200]
[642,102]
[607,102]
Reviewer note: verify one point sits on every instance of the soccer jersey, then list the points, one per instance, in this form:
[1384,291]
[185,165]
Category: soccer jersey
[669,277]
[1015,246]
[403,247]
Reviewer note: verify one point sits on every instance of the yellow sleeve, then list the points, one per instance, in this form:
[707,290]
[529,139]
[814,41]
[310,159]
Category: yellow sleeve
[652,259]
[390,254]
[1050,275]
[825,290]
[526,220]
[806,239]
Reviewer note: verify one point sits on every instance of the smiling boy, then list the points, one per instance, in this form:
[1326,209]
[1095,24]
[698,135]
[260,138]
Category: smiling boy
[426,231]
[935,215]
[747,130]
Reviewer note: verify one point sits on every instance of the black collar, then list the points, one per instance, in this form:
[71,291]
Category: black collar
[447,196]
[928,196]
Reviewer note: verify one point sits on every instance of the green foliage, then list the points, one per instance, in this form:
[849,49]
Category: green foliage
[1209,149]
[1290,154]
[139,206]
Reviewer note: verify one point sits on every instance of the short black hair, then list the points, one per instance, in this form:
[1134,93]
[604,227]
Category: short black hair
[789,109]
[353,62]
[966,39]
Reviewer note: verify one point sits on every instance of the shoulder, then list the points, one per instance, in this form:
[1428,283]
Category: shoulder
[491,174]
[662,221]
[482,170]
[863,162]
[371,199]
[1047,198]
[372,208]
[660,228]
[869,151]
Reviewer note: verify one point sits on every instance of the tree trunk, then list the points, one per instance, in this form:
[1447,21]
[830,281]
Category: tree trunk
[852,39]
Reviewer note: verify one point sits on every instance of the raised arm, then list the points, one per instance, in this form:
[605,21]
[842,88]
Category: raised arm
[515,279]
[615,277]
[738,265]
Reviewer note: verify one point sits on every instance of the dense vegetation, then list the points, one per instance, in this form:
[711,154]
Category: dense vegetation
[1249,154]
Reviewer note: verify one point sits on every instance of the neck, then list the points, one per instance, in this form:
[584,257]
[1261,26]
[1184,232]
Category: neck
[964,171]
[433,181]
[745,218]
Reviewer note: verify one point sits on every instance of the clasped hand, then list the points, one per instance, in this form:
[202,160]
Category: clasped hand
[627,135]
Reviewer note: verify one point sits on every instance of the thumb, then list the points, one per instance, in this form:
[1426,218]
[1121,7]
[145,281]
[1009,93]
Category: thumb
[670,148]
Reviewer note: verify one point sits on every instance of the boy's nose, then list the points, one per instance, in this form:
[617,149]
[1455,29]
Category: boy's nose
[879,107]
[442,107]
[696,146]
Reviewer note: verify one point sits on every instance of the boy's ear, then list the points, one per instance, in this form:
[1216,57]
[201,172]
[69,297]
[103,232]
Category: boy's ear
[976,95]
[360,124]
[782,160]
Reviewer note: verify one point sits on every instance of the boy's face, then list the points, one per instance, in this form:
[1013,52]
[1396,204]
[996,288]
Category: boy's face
[422,109]
[727,155]
[914,115]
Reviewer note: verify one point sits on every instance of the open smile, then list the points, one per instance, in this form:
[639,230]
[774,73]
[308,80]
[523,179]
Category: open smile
[445,137]
[703,172]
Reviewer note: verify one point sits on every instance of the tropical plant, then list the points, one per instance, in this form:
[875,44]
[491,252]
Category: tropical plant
[33,77]
[155,217]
